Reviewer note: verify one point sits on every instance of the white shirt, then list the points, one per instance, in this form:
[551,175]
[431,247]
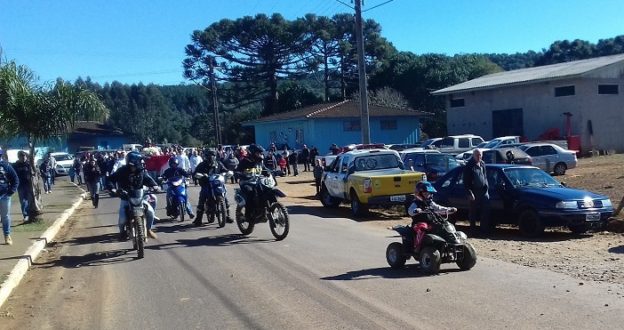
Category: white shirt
[195,160]
[184,162]
[413,209]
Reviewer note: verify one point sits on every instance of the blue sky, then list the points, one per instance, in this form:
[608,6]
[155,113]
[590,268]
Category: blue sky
[135,41]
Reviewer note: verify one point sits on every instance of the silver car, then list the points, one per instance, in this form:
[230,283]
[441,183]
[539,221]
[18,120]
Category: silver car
[550,157]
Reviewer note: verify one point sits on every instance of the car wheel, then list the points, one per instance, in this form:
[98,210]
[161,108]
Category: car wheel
[560,169]
[530,224]
[327,200]
[357,208]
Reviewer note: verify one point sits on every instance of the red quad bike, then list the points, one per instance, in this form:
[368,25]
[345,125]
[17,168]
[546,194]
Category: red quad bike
[441,244]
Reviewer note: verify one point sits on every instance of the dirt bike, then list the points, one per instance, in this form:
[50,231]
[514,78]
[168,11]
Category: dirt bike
[264,206]
[176,197]
[442,243]
[136,227]
[215,205]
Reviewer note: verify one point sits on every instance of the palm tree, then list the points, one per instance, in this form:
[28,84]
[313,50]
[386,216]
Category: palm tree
[39,114]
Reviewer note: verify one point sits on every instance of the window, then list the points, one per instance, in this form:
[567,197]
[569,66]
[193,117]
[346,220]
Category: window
[456,103]
[464,143]
[564,91]
[548,150]
[608,89]
[351,125]
[476,141]
[533,151]
[388,125]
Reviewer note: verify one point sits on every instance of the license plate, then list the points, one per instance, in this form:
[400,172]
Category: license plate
[397,198]
[592,217]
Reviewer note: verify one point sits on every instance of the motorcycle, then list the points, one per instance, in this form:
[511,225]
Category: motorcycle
[136,227]
[176,197]
[265,208]
[215,205]
[442,243]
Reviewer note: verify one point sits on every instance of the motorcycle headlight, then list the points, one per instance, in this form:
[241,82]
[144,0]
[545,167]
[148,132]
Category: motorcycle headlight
[606,203]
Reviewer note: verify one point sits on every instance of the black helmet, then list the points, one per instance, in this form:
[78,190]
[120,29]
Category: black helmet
[256,152]
[135,159]
[208,153]
[173,161]
[423,186]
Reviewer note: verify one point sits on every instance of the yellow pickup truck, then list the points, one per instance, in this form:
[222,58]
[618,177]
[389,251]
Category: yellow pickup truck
[368,178]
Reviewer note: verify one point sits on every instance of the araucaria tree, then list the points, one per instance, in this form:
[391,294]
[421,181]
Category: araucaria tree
[252,52]
[39,114]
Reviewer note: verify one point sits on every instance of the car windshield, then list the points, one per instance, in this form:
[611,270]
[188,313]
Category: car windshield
[441,161]
[491,144]
[376,162]
[530,177]
[63,157]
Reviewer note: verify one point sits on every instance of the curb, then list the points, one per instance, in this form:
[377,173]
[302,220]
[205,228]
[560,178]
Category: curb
[31,254]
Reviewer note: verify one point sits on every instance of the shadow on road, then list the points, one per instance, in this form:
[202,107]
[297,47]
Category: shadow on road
[410,271]
[343,212]
[222,240]
[91,259]
[103,238]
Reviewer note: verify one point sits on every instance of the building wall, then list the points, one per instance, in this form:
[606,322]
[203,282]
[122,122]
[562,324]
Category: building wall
[321,133]
[542,110]
[99,142]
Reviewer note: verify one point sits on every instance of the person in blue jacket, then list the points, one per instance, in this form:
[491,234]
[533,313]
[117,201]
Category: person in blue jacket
[8,186]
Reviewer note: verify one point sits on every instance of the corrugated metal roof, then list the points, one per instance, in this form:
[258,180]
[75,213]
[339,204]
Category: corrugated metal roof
[343,109]
[541,73]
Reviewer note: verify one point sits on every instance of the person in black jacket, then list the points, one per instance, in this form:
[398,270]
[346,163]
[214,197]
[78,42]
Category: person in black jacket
[305,158]
[209,166]
[22,168]
[476,184]
[292,161]
[129,177]
[8,185]
[92,175]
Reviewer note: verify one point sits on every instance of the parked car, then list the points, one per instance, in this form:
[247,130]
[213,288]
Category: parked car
[456,144]
[531,198]
[432,162]
[64,162]
[464,156]
[431,143]
[402,146]
[550,157]
[506,156]
[502,141]
[329,158]
[368,178]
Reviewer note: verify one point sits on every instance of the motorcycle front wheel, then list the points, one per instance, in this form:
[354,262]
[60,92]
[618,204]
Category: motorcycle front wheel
[245,226]
[139,238]
[220,212]
[181,211]
[278,221]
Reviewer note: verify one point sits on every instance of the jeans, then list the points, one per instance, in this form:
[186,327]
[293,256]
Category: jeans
[123,218]
[480,210]
[5,214]
[47,183]
[23,192]
[94,190]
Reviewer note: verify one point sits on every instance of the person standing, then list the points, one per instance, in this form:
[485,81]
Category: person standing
[318,174]
[476,184]
[8,185]
[78,169]
[292,161]
[93,173]
[194,159]
[52,168]
[231,163]
[313,153]
[22,168]
[305,158]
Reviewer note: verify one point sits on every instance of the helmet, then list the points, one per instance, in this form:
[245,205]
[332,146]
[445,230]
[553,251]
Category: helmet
[256,152]
[209,154]
[173,161]
[135,159]
[423,186]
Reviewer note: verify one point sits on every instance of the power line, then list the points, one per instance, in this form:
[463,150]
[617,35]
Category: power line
[379,5]
[353,8]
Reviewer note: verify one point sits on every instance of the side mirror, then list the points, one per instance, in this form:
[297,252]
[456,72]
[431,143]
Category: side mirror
[563,183]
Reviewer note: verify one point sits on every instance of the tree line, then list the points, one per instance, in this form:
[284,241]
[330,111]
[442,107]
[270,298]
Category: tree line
[267,64]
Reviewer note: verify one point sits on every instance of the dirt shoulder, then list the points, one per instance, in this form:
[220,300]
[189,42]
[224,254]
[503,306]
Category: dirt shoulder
[589,257]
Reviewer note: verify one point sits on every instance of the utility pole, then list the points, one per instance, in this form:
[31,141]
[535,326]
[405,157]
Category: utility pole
[215,101]
[364,120]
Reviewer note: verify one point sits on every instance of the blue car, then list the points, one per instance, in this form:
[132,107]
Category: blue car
[531,198]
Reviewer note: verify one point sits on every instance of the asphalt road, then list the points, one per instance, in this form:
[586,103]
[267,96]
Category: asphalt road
[329,273]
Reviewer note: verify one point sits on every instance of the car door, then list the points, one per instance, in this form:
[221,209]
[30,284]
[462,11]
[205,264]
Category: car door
[550,156]
[456,192]
[331,178]
[497,192]
[536,156]
[343,173]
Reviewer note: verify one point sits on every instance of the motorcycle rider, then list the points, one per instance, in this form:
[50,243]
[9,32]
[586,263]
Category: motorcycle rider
[130,177]
[209,166]
[423,202]
[250,166]
[175,171]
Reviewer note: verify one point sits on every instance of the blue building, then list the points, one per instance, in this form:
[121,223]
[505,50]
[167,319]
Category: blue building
[339,122]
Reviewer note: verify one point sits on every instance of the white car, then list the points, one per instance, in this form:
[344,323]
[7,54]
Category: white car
[64,162]
[550,157]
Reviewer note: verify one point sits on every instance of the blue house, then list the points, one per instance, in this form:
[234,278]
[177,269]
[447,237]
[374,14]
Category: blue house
[324,124]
